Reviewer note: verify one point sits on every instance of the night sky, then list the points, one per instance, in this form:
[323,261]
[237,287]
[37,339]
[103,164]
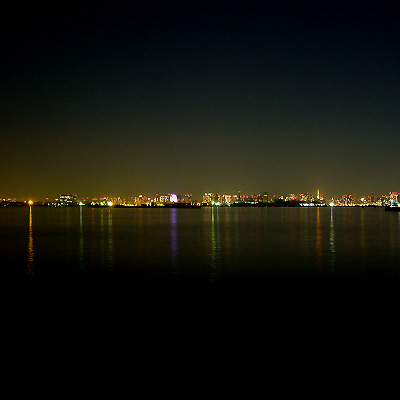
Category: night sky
[111,99]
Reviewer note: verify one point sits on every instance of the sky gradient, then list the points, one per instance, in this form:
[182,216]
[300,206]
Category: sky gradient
[118,100]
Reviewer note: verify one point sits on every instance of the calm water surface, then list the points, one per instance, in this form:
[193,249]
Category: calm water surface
[209,245]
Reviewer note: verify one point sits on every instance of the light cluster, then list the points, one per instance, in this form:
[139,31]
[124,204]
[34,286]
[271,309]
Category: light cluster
[215,199]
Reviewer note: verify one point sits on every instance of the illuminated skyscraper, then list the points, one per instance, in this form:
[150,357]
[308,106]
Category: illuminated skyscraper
[264,197]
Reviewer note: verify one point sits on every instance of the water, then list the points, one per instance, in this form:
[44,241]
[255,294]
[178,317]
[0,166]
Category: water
[213,278]
[208,246]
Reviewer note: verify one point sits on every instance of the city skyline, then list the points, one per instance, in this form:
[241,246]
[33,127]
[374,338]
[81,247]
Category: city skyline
[216,198]
[207,96]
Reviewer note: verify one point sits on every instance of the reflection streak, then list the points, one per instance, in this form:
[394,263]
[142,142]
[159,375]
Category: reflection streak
[318,243]
[81,255]
[174,238]
[93,237]
[31,253]
[332,243]
[214,244]
[362,233]
[110,241]
[102,247]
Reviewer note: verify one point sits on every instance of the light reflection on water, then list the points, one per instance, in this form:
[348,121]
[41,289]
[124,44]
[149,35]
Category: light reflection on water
[218,243]
[31,253]
[102,238]
[93,237]
[332,243]
[174,239]
[214,244]
[110,259]
[362,232]
[81,241]
[318,241]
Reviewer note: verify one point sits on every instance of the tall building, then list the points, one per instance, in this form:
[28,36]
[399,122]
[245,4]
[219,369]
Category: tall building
[393,197]
[264,197]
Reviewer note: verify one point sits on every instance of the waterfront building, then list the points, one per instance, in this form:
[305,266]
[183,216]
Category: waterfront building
[67,200]
[208,198]
[394,197]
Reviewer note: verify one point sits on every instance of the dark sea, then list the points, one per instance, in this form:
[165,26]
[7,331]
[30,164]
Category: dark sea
[208,281]
[272,253]
[202,248]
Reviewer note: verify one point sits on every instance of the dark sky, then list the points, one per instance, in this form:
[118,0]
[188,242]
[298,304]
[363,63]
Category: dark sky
[112,99]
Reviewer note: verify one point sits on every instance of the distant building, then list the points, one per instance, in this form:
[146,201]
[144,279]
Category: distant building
[226,199]
[394,197]
[162,199]
[67,200]
[208,198]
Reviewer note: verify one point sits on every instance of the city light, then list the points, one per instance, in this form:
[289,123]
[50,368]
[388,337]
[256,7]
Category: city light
[216,200]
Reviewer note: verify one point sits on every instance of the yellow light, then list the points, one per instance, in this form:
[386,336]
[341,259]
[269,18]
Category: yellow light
[110,203]
[30,202]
